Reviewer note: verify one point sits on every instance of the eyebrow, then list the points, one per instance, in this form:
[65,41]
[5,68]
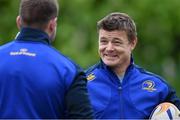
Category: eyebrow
[117,39]
[103,39]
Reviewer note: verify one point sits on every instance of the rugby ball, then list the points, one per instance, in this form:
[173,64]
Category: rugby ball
[165,111]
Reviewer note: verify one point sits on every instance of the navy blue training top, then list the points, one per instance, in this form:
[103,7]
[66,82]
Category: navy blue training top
[36,81]
[134,98]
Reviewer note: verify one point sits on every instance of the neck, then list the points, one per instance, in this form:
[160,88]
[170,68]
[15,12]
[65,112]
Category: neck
[121,69]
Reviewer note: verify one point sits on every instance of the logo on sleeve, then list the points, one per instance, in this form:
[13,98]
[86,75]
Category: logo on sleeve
[91,77]
[148,85]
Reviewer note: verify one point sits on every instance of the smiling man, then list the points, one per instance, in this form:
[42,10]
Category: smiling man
[118,88]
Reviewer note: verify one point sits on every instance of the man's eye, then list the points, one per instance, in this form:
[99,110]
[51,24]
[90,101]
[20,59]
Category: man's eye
[118,43]
[103,41]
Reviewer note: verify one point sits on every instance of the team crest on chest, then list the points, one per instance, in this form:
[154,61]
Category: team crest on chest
[148,85]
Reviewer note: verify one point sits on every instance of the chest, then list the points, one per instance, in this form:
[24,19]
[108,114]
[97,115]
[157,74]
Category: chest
[133,98]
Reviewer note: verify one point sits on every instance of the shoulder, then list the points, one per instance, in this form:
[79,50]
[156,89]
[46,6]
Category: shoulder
[147,73]
[162,86]
[98,73]
[61,58]
[93,71]
[93,68]
[6,45]
[150,76]
[70,71]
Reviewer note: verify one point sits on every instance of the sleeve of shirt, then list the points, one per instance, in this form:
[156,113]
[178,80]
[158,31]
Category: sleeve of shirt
[172,97]
[77,100]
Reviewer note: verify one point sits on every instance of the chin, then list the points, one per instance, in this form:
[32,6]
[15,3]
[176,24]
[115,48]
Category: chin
[110,63]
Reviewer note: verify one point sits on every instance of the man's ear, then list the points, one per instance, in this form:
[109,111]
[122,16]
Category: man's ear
[52,25]
[133,43]
[18,22]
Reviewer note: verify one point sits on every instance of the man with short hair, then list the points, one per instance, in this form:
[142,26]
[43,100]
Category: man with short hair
[118,88]
[38,82]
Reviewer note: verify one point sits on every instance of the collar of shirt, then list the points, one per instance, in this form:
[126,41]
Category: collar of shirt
[31,34]
[120,77]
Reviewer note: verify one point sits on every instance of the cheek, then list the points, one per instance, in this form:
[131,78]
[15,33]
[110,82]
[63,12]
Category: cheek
[100,51]
[121,49]
[101,48]
[126,49]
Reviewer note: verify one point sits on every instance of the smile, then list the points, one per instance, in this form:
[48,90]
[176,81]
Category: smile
[110,56]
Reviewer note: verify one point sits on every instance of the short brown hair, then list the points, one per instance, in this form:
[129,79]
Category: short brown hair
[38,12]
[118,21]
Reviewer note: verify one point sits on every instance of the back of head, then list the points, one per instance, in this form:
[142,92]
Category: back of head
[38,12]
[118,21]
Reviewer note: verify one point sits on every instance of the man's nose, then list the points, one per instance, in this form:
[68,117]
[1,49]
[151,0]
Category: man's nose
[110,46]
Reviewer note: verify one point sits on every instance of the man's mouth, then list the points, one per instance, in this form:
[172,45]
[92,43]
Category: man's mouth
[110,56]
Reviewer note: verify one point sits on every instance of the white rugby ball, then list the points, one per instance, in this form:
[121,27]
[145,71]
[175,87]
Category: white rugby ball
[165,111]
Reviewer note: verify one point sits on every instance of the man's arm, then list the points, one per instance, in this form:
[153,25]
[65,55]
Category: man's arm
[172,97]
[77,101]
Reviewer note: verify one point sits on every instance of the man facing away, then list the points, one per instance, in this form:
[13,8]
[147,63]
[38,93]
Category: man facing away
[36,80]
[118,88]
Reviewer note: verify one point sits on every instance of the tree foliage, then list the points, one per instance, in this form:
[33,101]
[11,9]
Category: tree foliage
[157,25]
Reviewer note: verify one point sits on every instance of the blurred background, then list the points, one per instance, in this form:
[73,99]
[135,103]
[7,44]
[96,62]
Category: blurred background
[158,27]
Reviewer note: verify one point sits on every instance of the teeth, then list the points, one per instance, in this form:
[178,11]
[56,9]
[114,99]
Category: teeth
[110,55]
